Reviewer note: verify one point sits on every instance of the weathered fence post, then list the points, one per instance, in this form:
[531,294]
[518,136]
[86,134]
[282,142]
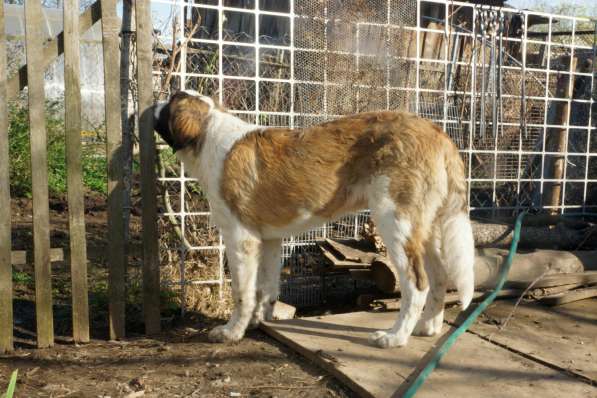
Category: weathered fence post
[39,166]
[76,202]
[116,244]
[5,241]
[559,141]
[151,267]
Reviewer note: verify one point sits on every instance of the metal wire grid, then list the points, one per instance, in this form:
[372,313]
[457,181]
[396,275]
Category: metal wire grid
[333,59]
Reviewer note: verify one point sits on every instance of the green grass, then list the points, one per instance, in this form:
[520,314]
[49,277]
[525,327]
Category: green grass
[22,278]
[92,158]
[10,391]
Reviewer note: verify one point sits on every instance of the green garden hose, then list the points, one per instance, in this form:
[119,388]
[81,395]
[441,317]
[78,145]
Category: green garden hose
[449,342]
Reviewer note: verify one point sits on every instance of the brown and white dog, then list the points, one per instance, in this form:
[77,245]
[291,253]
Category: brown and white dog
[264,184]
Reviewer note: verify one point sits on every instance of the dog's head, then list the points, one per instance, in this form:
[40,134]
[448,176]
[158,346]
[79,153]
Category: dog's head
[181,120]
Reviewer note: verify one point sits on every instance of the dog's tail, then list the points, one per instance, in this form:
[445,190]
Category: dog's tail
[458,246]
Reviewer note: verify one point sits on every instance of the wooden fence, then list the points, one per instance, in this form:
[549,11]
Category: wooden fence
[40,54]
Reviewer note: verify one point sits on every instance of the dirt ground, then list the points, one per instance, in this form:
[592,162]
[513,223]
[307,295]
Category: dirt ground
[178,363]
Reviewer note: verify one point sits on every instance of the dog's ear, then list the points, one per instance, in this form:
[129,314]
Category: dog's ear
[187,118]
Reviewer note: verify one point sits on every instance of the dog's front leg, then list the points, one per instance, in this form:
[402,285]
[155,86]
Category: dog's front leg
[243,251]
[268,281]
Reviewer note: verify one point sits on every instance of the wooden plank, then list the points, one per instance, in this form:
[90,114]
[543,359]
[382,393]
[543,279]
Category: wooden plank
[587,277]
[339,344]
[558,337]
[53,49]
[76,202]
[393,304]
[344,252]
[337,263]
[151,266]
[569,296]
[19,257]
[116,244]
[39,165]
[6,316]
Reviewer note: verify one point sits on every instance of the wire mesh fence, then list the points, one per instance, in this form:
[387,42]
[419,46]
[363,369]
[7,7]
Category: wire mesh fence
[514,89]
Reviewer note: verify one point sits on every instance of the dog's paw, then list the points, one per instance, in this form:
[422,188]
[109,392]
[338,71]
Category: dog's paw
[425,328]
[384,339]
[224,334]
[255,321]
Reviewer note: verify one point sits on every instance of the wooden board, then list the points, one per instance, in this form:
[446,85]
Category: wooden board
[587,277]
[19,257]
[76,202]
[472,368]
[39,165]
[116,235]
[53,49]
[151,266]
[6,339]
[344,251]
[563,337]
[569,296]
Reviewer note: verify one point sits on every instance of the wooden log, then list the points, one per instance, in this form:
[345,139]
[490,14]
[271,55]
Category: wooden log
[540,232]
[53,49]
[39,166]
[526,267]
[116,244]
[151,265]
[6,316]
[385,276]
[76,202]
[570,296]
[542,220]
[541,237]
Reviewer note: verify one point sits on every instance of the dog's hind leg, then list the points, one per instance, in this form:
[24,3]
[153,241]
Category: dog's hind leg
[433,315]
[243,252]
[404,236]
[268,281]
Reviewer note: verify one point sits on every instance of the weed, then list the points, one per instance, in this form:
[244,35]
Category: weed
[10,391]
[92,158]
[23,278]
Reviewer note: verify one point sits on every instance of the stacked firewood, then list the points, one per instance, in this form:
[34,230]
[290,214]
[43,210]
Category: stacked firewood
[555,267]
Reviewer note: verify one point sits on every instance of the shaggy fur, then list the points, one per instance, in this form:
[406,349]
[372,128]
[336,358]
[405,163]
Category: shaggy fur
[264,184]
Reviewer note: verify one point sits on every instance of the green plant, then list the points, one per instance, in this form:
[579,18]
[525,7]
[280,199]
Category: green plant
[19,277]
[92,156]
[10,391]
